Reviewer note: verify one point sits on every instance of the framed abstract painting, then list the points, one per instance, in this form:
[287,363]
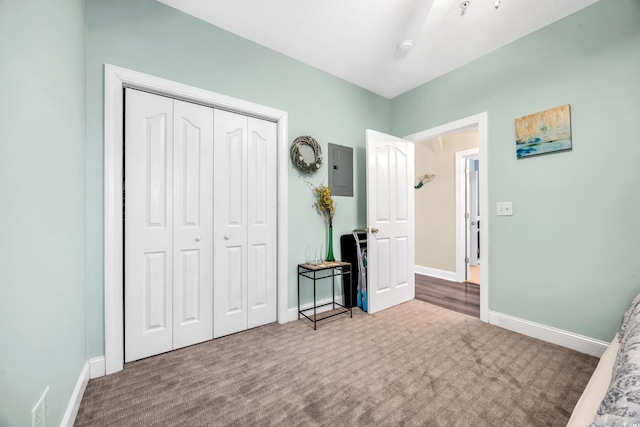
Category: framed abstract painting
[544,132]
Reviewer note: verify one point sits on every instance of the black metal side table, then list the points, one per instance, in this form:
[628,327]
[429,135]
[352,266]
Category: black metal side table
[329,270]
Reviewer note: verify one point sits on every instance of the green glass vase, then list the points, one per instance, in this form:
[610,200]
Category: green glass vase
[330,256]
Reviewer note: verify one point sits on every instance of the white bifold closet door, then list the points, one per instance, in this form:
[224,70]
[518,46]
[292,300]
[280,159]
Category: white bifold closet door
[245,222]
[168,224]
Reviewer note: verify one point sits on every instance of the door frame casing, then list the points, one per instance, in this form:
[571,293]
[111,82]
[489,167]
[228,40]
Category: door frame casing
[115,79]
[481,121]
[462,232]
[473,190]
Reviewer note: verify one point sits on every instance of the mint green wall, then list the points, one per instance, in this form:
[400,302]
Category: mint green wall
[149,37]
[42,221]
[568,258]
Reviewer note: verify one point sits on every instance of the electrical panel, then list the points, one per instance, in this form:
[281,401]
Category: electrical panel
[340,170]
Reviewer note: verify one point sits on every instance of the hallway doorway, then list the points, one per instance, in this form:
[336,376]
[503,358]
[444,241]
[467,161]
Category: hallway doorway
[479,122]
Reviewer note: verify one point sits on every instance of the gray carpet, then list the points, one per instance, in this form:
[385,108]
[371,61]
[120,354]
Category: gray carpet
[414,364]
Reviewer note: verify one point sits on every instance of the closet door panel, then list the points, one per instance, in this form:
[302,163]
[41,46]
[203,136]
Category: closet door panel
[230,229]
[193,224]
[148,267]
[261,204]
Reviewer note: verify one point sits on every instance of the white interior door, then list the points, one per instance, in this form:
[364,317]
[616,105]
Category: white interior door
[390,218]
[245,241]
[230,234]
[148,249]
[192,224]
[262,241]
[168,224]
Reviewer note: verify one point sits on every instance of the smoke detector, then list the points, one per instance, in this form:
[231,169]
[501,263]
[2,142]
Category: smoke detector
[405,45]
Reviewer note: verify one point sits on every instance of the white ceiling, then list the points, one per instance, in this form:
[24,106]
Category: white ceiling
[357,40]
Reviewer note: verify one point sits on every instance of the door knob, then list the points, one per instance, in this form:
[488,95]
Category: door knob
[227,237]
[198,239]
[374,230]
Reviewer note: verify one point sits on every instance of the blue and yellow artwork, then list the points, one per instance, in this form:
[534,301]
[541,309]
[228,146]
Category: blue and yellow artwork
[544,132]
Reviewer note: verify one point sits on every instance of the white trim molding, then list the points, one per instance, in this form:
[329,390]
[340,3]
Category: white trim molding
[550,334]
[440,274]
[481,121]
[69,417]
[115,79]
[96,367]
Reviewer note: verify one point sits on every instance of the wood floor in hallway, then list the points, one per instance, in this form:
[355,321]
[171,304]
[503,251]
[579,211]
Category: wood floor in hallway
[461,297]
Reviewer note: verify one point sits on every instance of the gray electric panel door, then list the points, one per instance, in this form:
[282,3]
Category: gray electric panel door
[341,170]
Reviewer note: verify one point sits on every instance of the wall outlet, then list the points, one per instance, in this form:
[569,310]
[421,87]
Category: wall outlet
[47,412]
[504,208]
[39,411]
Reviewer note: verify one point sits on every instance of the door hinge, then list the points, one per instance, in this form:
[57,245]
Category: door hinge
[466,260]
[467,216]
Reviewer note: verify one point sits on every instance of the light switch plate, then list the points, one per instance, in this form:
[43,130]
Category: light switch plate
[504,208]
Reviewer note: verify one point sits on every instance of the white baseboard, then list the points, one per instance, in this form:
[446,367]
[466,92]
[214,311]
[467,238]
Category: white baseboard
[97,367]
[292,313]
[76,397]
[550,334]
[434,272]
